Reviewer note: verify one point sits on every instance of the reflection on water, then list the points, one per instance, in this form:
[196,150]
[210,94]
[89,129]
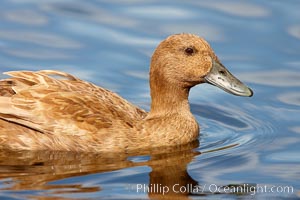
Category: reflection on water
[38,171]
[243,141]
[41,172]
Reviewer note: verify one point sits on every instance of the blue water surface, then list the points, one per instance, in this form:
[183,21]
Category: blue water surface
[244,143]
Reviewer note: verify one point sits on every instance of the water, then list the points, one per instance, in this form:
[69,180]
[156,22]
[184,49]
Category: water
[244,142]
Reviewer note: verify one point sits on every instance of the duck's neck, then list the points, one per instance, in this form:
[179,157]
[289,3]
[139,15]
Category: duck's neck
[168,99]
[170,118]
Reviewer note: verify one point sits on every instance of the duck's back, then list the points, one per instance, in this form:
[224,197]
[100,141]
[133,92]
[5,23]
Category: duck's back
[39,110]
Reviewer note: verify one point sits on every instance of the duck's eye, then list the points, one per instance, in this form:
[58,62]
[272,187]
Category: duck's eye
[189,51]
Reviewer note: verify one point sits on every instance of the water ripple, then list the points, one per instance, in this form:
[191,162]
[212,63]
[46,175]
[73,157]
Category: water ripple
[294,31]
[159,12]
[40,54]
[240,9]
[39,38]
[292,98]
[231,128]
[281,78]
[25,16]
[91,13]
[109,34]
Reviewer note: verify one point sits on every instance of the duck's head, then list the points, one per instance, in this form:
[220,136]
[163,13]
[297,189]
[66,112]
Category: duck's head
[185,60]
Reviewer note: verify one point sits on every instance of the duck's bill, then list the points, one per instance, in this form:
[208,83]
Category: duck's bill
[219,76]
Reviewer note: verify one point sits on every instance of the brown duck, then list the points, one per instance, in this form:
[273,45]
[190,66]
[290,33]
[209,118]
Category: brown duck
[53,110]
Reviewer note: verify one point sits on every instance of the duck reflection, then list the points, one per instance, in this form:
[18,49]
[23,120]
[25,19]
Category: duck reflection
[169,173]
[29,170]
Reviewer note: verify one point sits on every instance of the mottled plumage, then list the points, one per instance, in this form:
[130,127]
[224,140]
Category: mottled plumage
[57,111]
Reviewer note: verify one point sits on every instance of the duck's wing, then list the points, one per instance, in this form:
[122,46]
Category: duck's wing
[47,104]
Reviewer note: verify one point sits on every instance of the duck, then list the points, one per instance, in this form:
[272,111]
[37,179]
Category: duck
[54,110]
